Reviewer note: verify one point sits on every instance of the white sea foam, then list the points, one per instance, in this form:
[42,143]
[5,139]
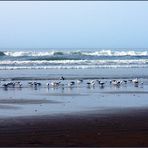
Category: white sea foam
[71,67]
[116,53]
[27,53]
[72,64]
[143,61]
[73,59]
[80,53]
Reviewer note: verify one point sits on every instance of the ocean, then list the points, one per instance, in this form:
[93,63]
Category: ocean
[30,64]
[48,65]
[72,58]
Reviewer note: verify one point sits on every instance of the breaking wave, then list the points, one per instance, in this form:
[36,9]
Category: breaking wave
[74,53]
[72,59]
[72,64]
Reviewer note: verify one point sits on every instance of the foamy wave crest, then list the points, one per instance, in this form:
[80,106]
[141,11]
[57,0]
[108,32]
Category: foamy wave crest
[74,53]
[116,53]
[72,67]
[27,53]
[74,62]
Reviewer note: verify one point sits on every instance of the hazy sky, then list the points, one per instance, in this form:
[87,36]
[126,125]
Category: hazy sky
[83,24]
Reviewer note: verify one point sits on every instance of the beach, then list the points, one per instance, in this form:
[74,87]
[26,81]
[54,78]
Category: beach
[73,102]
[78,115]
[123,128]
[73,74]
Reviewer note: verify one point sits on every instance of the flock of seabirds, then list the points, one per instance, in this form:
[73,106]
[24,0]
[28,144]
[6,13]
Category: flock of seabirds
[91,83]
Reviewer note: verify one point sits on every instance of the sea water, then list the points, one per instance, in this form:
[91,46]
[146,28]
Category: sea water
[47,65]
[71,62]
[72,59]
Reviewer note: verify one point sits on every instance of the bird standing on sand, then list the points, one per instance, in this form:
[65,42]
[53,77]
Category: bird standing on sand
[55,84]
[72,83]
[115,82]
[88,84]
[125,81]
[18,84]
[5,85]
[62,78]
[101,84]
[79,81]
[92,83]
[135,81]
[47,84]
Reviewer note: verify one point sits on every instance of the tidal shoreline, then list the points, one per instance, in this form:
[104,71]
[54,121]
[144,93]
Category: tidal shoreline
[77,115]
[122,128]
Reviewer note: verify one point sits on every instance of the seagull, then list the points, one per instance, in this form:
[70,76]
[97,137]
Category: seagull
[10,84]
[92,83]
[135,81]
[88,84]
[79,81]
[18,84]
[115,82]
[47,84]
[38,83]
[101,84]
[125,81]
[30,83]
[5,85]
[34,83]
[55,84]
[130,80]
[98,81]
[62,78]
[71,83]
[112,81]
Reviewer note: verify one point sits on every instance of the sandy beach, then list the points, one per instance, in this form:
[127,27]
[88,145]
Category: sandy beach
[73,74]
[121,128]
[79,115]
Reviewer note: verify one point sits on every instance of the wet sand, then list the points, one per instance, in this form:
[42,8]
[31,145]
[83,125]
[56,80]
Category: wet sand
[74,116]
[26,101]
[121,128]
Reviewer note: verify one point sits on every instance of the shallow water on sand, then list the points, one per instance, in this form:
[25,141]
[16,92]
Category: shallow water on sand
[50,74]
[28,101]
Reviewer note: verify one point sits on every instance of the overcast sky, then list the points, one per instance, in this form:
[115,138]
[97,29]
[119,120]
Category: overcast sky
[81,24]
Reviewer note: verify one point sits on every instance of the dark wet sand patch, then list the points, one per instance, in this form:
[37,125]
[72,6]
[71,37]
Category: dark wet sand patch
[84,77]
[125,92]
[8,107]
[27,101]
[64,94]
[128,129]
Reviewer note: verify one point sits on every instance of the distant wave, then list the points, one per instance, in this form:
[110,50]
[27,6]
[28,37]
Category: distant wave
[44,62]
[2,53]
[72,59]
[73,53]
[72,67]
[74,64]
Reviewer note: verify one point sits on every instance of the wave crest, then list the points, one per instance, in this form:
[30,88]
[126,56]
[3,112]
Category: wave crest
[74,62]
[71,53]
